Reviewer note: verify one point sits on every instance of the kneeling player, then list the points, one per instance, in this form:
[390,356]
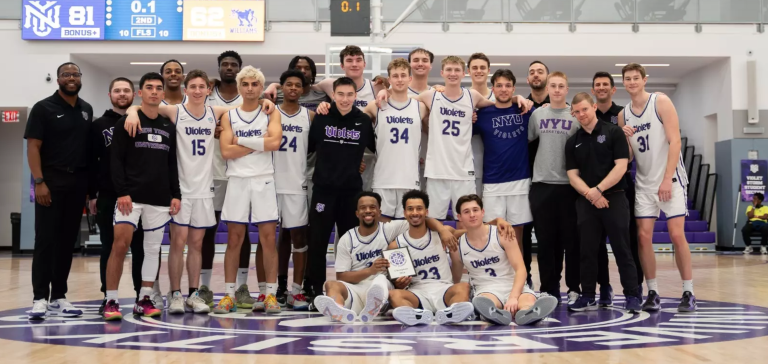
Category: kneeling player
[496,270]
[432,291]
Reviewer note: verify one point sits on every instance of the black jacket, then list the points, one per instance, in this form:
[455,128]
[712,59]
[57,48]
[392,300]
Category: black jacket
[100,175]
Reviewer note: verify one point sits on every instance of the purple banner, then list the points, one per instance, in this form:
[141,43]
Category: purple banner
[754,174]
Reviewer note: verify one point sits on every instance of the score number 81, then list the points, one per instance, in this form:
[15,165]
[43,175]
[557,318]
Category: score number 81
[207,17]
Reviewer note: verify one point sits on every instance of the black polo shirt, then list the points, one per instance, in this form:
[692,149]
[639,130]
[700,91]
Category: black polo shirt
[64,130]
[593,154]
[610,116]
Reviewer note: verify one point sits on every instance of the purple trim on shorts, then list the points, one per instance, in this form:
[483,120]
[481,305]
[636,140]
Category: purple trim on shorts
[351,297]
[125,222]
[296,227]
[444,292]
[421,307]
[523,224]
[264,222]
[178,223]
[159,227]
[235,222]
[202,227]
[672,217]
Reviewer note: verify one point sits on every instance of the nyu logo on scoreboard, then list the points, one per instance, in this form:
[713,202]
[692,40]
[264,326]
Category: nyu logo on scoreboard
[42,18]
[59,19]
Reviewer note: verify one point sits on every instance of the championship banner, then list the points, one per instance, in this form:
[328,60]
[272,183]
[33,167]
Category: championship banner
[754,174]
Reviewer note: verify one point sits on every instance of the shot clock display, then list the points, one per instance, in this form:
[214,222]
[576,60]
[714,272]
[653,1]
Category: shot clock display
[350,18]
[144,19]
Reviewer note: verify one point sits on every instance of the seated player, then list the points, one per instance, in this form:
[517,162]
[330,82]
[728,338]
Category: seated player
[432,292]
[496,270]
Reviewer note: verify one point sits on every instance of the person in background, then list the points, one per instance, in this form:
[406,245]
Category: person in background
[757,214]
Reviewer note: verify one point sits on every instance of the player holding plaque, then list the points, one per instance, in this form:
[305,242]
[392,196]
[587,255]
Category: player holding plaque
[400,263]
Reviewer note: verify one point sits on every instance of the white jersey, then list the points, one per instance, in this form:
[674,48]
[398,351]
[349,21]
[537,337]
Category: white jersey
[429,258]
[450,134]
[365,94]
[215,99]
[183,101]
[291,158]
[398,140]
[355,252]
[194,141]
[250,125]
[412,92]
[488,266]
[651,148]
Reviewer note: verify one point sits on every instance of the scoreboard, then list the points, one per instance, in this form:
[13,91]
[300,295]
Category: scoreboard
[148,20]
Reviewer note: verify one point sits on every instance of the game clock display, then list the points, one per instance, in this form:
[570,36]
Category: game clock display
[144,19]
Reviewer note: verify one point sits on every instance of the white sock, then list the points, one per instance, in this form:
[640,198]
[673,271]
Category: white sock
[652,285]
[242,276]
[688,286]
[229,289]
[112,295]
[156,286]
[145,291]
[271,288]
[296,289]
[262,288]
[205,277]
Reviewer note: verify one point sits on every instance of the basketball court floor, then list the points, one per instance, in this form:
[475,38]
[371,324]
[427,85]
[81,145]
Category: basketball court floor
[731,326]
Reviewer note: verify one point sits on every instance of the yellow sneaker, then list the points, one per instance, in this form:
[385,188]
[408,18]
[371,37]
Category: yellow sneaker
[226,305]
[271,305]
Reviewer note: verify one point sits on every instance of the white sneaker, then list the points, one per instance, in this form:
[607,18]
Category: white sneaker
[175,303]
[65,308]
[457,312]
[375,299]
[157,298]
[764,250]
[412,316]
[748,250]
[330,309]
[572,297]
[197,304]
[38,311]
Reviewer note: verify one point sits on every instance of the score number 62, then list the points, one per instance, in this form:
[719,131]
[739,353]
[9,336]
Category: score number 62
[207,17]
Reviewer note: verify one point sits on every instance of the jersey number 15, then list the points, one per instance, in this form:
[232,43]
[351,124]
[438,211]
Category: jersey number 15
[198,146]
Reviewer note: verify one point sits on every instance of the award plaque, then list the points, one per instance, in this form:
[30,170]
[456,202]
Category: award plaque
[400,263]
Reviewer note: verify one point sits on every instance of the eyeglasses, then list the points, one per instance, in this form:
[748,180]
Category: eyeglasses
[73,75]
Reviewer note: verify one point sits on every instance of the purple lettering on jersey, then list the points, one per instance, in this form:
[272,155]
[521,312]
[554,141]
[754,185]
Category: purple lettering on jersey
[643,127]
[507,120]
[152,146]
[334,132]
[426,260]
[189,130]
[161,132]
[248,133]
[477,263]
[292,128]
[399,120]
[108,133]
[361,103]
[368,255]
[452,112]
[555,126]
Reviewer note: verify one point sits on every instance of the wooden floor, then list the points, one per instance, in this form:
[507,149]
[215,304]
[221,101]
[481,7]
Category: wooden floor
[726,278]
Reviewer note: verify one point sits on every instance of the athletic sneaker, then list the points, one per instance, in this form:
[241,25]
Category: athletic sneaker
[652,302]
[764,250]
[584,303]
[157,298]
[412,316]
[633,304]
[297,302]
[205,293]
[38,311]
[687,303]
[606,296]
[65,308]
[330,309]
[103,304]
[226,305]
[572,297]
[270,304]
[282,296]
[529,282]
[375,299]
[197,304]
[175,303]
[457,312]
[147,308]
[748,250]
[243,297]
[258,304]
[112,311]
[542,308]
[488,311]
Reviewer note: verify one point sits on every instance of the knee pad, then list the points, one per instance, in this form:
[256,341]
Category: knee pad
[300,250]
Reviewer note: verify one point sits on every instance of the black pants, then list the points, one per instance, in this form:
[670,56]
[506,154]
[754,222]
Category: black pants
[56,230]
[748,229]
[630,193]
[554,218]
[328,207]
[105,210]
[209,246]
[614,221]
[527,246]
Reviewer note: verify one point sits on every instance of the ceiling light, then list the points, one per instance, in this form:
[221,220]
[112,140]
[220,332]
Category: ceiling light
[151,63]
[646,64]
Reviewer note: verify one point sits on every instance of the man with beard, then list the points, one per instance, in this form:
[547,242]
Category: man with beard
[58,146]
[100,185]
[173,73]
[309,97]
[421,64]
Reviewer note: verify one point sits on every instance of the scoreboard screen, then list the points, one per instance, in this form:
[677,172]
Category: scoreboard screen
[170,20]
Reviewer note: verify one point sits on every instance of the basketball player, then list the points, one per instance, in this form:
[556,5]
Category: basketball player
[173,73]
[479,67]
[661,180]
[146,179]
[437,290]
[496,270]
[360,290]
[309,97]
[421,64]
[503,129]
[247,140]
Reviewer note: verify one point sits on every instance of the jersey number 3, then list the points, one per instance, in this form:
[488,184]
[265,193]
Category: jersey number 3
[433,270]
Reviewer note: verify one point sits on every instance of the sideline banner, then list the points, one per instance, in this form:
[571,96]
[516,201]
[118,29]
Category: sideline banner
[754,174]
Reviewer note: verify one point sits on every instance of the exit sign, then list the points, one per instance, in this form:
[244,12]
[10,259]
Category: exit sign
[350,18]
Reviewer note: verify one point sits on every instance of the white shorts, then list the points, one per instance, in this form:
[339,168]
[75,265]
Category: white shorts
[443,192]
[196,213]
[647,205]
[431,295]
[515,209]
[391,202]
[357,292]
[152,217]
[501,291]
[294,210]
[219,192]
[250,200]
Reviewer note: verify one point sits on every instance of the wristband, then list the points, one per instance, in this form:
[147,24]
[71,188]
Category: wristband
[598,189]
[256,144]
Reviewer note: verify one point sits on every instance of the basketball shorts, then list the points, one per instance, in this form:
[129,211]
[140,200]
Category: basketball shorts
[196,213]
[391,202]
[219,193]
[515,209]
[444,192]
[152,217]
[647,205]
[250,200]
[501,291]
[431,295]
[294,210]
[357,292]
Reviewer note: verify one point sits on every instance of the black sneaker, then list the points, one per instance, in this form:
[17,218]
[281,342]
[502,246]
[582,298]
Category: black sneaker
[652,302]
[281,296]
[101,308]
[687,303]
